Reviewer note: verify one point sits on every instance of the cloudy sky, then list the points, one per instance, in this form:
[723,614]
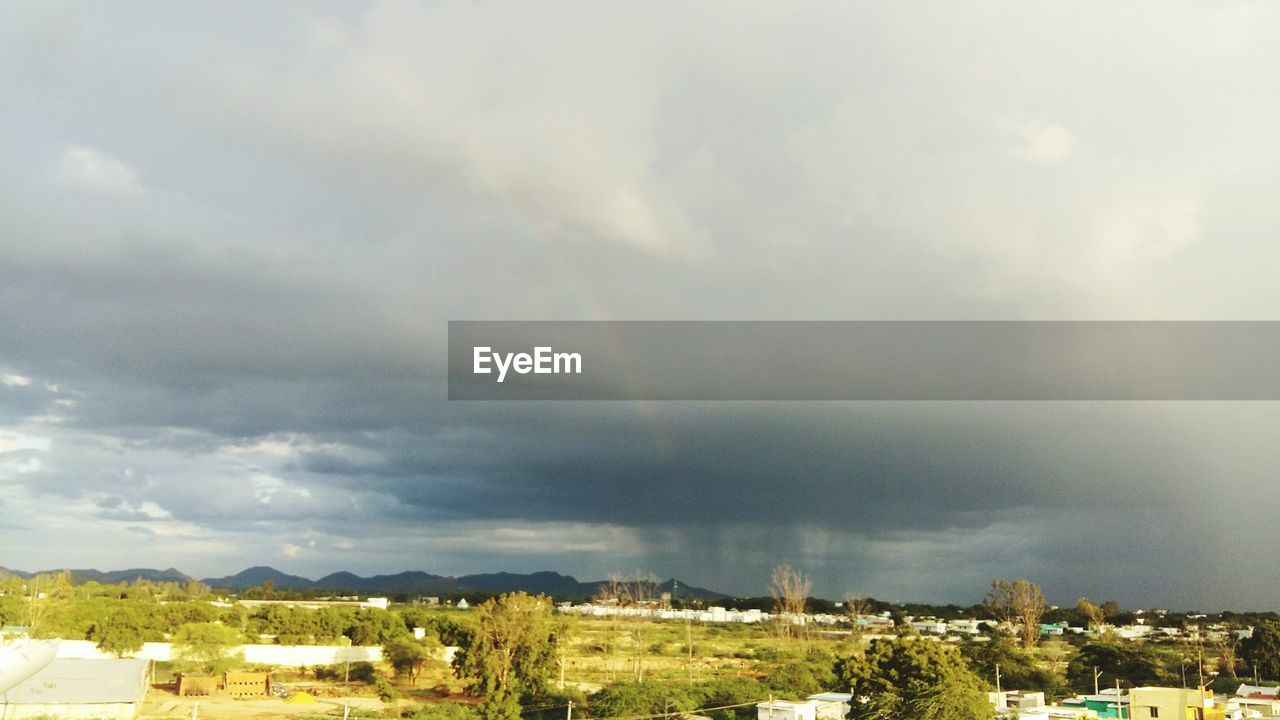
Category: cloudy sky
[231,237]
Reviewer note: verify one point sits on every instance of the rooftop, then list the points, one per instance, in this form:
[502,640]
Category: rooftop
[76,680]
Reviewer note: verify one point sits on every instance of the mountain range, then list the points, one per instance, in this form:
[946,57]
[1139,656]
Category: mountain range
[412,582]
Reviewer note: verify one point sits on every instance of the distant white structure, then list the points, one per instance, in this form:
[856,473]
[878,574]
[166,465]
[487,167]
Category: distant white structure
[787,710]
[79,689]
[718,614]
[463,604]
[380,603]
[831,705]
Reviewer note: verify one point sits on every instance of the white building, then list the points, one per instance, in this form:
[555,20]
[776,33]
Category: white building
[79,689]
[831,705]
[787,710]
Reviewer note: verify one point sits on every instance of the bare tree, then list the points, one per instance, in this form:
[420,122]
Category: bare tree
[48,595]
[790,590]
[611,593]
[856,608]
[1021,604]
[635,594]
[1054,651]
[1092,613]
[1227,649]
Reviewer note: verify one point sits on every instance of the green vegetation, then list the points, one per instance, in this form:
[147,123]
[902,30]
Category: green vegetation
[510,653]
[916,678]
[206,647]
[1262,650]
[518,660]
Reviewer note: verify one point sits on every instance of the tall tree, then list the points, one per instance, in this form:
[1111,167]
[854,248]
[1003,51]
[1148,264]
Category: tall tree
[1021,604]
[638,592]
[1228,651]
[512,651]
[790,590]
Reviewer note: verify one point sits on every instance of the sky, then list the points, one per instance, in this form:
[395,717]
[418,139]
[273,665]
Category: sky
[231,237]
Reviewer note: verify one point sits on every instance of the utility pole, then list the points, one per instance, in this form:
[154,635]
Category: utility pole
[568,715]
[688,629]
[1097,674]
[997,682]
[1200,662]
[1119,711]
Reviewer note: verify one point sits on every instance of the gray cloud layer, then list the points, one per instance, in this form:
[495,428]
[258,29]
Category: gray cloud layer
[230,240]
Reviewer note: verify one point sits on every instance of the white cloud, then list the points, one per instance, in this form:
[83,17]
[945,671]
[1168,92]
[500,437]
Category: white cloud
[1046,144]
[13,380]
[11,441]
[267,487]
[86,168]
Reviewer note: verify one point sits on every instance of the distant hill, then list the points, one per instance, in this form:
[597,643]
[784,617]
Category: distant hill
[421,583]
[255,576]
[413,582]
[109,576]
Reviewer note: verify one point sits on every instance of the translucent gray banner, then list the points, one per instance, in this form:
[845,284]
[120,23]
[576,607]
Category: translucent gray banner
[927,360]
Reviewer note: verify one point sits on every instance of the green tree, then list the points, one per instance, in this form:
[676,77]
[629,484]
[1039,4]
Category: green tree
[1018,668]
[408,656]
[1262,649]
[511,652]
[802,677]
[206,646]
[121,632]
[1134,665]
[913,677]
[626,699]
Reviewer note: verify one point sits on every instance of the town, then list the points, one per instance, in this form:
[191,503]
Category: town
[76,648]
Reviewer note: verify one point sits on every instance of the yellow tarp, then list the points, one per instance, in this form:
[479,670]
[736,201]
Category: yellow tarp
[300,698]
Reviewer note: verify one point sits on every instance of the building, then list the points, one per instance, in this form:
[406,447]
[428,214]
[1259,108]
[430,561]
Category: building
[787,710]
[1161,703]
[1109,703]
[1009,700]
[79,689]
[1255,701]
[831,705]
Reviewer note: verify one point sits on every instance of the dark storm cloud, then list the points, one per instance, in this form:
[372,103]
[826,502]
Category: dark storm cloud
[230,242]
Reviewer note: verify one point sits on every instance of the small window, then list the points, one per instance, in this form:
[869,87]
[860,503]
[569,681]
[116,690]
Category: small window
[1155,711]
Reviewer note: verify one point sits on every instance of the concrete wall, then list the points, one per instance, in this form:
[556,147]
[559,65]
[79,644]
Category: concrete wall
[86,711]
[275,655]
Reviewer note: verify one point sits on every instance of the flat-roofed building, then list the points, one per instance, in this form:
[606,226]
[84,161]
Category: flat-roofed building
[80,689]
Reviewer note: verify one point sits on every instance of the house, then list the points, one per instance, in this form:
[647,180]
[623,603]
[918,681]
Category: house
[1255,701]
[1008,700]
[831,705]
[787,710]
[1109,703]
[80,689]
[1162,703]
